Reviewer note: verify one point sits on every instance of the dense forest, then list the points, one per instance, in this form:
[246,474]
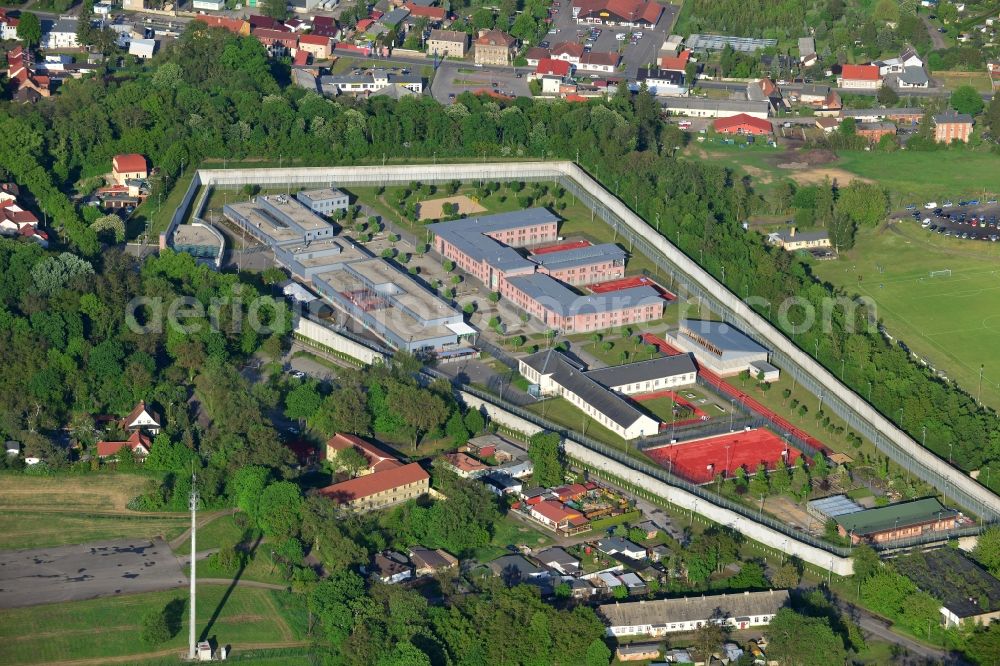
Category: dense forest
[215,95]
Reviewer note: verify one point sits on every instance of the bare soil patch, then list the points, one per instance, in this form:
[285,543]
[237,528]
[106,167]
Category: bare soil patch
[433,209]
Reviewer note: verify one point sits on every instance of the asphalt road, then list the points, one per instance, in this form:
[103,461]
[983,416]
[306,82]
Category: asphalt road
[86,571]
[872,625]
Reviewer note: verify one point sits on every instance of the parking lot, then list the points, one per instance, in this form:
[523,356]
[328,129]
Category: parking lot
[455,78]
[971,220]
[72,573]
[641,54]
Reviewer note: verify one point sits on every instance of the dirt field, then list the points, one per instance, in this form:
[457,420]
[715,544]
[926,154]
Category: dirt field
[92,492]
[813,176]
[789,512]
[433,209]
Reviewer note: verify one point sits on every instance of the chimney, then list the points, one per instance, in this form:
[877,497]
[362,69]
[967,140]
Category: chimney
[791,233]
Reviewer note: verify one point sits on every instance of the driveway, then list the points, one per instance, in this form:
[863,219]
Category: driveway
[86,571]
[937,39]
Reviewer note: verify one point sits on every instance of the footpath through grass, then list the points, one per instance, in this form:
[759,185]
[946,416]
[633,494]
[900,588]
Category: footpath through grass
[952,322]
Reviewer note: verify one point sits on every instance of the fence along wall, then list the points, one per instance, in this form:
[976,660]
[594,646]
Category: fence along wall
[843,401]
[329,338]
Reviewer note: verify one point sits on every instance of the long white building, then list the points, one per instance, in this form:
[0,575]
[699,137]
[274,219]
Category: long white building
[741,610]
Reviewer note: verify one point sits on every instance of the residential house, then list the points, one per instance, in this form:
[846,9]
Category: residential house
[616,545]
[515,569]
[208,5]
[557,516]
[598,62]
[824,101]
[912,77]
[676,63]
[828,125]
[626,13]
[318,45]
[30,86]
[909,58]
[951,126]
[637,652]
[893,522]
[324,26]
[391,567]
[664,616]
[658,553]
[502,484]
[558,559]
[860,77]
[494,47]
[138,442]
[536,54]
[993,68]
[277,42]
[662,82]
[380,490]
[61,34]
[447,43]
[517,469]
[875,131]
[791,239]
[427,562]
[807,51]
[434,14]
[141,418]
[235,26]
[133,5]
[570,492]
[634,583]
[549,67]
[743,124]
[128,166]
[464,465]
[8,26]
[568,51]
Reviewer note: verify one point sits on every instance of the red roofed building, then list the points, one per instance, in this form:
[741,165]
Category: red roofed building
[632,13]
[325,26]
[465,465]
[317,45]
[572,491]
[742,123]
[301,58]
[676,63]
[378,460]
[141,418]
[550,67]
[377,491]
[128,166]
[494,47]
[235,26]
[364,24]
[597,61]
[859,76]
[556,515]
[266,23]
[277,42]
[568,51]
[433,13]
[138,442]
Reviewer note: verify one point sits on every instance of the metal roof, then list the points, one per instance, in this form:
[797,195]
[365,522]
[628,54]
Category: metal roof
[571,377]
[727,340]
[903,514]
[693,609]
[643,371]
[835,505]
[560,299]
[718,42]
[581,256]
[702,104]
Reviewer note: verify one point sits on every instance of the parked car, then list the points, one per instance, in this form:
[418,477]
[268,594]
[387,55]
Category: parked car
[930,205]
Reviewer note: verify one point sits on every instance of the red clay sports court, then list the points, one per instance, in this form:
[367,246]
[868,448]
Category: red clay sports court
[700,460]
[628,283]
[561,247]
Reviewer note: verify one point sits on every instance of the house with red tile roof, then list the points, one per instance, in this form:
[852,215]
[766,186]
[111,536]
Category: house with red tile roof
[742,123]
[535,54]
[128,166]
[141,418]
[380,490]
[235,26]
[676,63]
[550,67]
[325,26]
[631,13]
[277,42]
[860,77]
[435,14]
[378,460]
[599,61]
[317,45]
[139,443]
[464,465]
[568,51]
[557,516]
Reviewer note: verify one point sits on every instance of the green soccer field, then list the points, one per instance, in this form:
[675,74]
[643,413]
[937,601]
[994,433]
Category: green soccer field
[950,321]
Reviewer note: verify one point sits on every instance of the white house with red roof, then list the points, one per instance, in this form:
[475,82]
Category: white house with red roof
[142,418]
[599,62]
[568,51]
[16,221]
[128,166]
[551,67]
[557,516]
[631,13]
[138,442]
[861,77]
[8,26]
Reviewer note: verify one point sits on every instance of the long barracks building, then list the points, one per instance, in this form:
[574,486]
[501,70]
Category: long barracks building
[484,247]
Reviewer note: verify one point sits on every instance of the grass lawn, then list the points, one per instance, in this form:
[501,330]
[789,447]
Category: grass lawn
[951,322]
[512,532]
[561,411]
[978,80]
[613,356]
[220,532]
[109,627]
[31,529]
[661,408]
[916,177]
[86,492]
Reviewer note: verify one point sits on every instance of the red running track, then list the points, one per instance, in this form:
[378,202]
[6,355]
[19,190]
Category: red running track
[745,399]
[561,247]
[628,283]
[700,460]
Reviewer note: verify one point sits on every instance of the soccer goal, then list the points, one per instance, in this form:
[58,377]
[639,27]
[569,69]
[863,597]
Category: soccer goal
[942,273]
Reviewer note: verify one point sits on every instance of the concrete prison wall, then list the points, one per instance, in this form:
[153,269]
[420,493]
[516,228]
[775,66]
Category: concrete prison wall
[329,338]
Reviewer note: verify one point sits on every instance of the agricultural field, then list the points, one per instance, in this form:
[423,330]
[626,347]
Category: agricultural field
[949,321]
[109,628]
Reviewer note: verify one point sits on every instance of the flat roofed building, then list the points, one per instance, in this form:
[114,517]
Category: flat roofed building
[665,616]
[305,260]
[370,82]
[377,491]
[555,374]
[646,376]
[278,220]
[697,107]
[324,201]
[717,345]
[698,42]
[826,508]
[661,82]
[902,520]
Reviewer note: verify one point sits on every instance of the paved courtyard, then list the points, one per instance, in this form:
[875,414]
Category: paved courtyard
[86,571]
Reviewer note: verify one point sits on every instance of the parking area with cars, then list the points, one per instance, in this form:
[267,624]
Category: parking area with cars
[966,219]
[638,46]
